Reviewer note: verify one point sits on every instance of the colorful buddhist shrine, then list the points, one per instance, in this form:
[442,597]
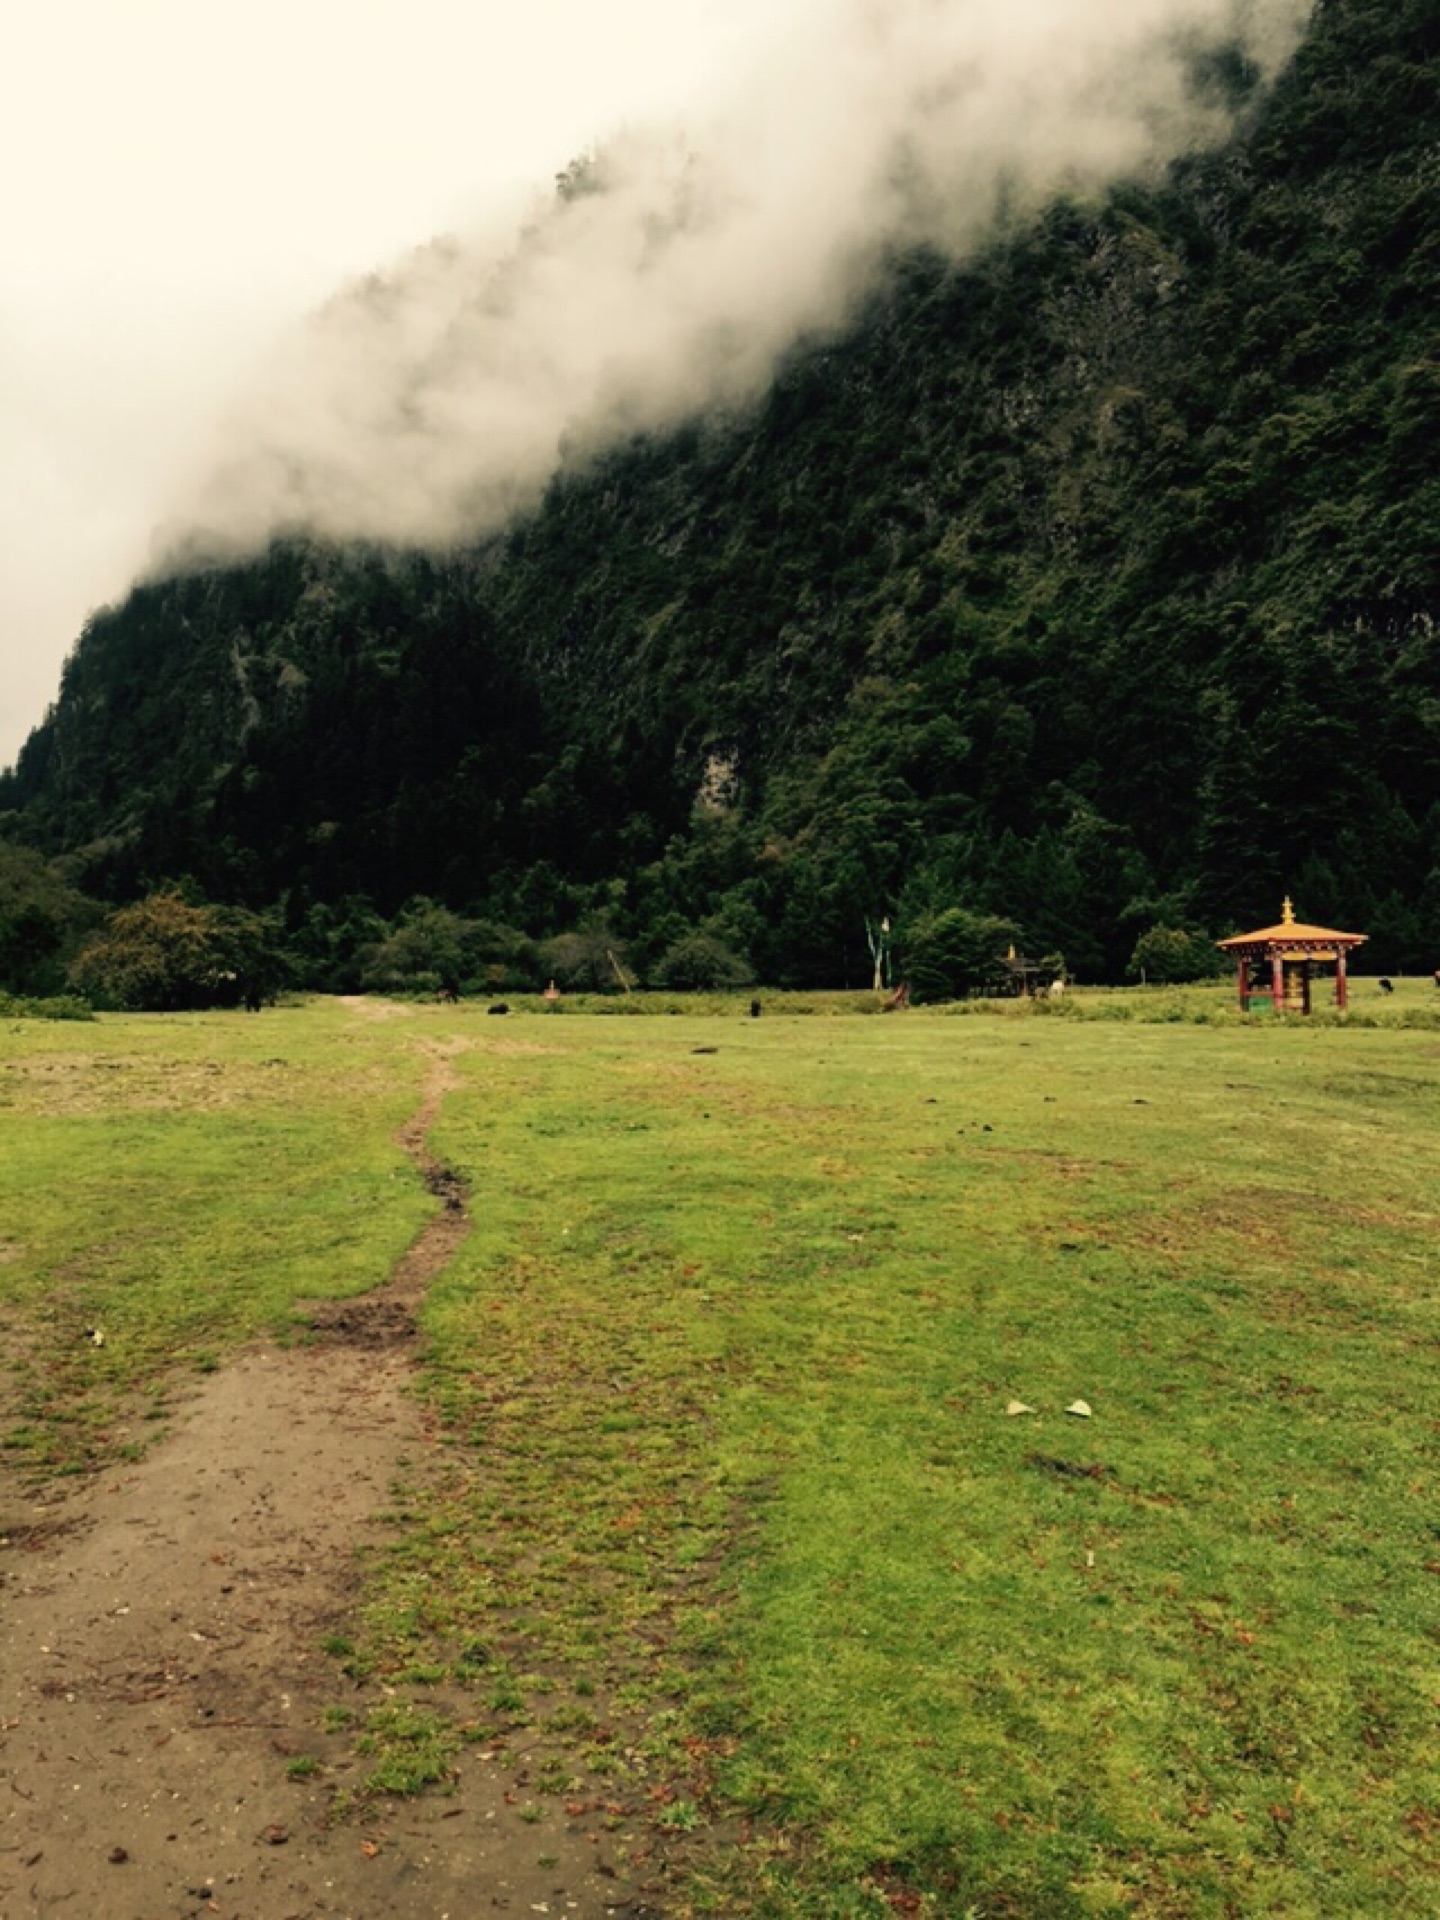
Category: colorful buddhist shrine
[1282,961]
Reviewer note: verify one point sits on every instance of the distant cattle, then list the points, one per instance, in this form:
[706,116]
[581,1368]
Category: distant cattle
[499,1007]
[755,1009]
[1386,986]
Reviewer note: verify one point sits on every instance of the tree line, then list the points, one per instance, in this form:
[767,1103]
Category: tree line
[172,951]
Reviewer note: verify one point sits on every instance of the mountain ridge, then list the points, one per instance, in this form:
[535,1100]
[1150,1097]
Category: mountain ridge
[1091,583]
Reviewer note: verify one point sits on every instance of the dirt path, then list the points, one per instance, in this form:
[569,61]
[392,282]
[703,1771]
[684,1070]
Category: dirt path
[161,1665]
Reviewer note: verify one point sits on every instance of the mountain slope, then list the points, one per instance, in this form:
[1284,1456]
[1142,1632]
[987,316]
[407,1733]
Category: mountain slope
[1093,583]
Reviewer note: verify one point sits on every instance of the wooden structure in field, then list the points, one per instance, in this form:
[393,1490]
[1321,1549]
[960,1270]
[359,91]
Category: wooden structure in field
[1018,978]
[1281,962]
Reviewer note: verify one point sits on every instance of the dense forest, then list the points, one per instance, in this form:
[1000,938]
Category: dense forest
[1089,587]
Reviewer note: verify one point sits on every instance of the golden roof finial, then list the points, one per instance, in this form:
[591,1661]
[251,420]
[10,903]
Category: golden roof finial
[1287,915]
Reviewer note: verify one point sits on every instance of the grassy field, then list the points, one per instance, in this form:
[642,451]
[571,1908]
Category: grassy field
[176,1184]
[733,1506]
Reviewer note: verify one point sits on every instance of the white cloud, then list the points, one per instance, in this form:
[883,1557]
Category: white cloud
[185,177]
[426,407]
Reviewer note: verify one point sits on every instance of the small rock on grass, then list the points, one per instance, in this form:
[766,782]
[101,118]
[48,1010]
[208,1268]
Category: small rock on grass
[1080,1408]
[1018,1406]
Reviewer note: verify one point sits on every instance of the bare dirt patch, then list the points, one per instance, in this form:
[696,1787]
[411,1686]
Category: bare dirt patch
[163,1742]
[84,1084]
[518,1049]
[368,1009]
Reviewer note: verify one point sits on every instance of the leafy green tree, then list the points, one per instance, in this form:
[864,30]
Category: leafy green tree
[42,918]
[955,952]
[424,953]
[1166,956]
[253,963]
[701,963]
[332,941]
[166,954]
[498,958]
[588,959]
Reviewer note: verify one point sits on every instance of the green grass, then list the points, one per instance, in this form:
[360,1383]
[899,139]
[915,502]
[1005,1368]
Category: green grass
[734,1517]
[412,1748]
[1413,1004]
[176,1184]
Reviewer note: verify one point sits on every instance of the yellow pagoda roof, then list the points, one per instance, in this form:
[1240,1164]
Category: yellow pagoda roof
[1290,930]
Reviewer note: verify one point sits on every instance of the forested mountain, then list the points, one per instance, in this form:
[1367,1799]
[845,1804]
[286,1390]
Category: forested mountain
[1092,584]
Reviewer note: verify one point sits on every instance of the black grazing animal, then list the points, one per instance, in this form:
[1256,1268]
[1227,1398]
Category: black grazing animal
[1386,987]
[499,1007]
[755,1009]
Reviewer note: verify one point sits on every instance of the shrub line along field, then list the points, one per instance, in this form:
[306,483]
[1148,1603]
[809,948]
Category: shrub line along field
[731,1530]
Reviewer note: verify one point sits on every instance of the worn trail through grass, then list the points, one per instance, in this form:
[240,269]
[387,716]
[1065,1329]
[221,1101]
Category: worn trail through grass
[174,1739]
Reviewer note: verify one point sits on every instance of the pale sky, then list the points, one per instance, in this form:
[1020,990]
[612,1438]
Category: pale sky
[182,178]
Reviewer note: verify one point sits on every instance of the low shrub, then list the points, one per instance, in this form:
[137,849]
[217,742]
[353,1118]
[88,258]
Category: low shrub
[58,1006]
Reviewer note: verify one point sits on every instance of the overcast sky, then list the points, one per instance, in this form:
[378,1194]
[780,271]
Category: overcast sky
[184,177]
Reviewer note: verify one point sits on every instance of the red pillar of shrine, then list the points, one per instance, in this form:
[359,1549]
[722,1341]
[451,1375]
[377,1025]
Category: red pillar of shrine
[1242,985]
[1277,982]
[1342,983]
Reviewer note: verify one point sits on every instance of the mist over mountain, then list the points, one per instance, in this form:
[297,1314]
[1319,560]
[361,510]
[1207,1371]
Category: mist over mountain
[1027,501]
[673,269]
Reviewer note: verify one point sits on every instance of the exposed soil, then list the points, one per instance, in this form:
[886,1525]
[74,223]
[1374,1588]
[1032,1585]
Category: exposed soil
[163,1668]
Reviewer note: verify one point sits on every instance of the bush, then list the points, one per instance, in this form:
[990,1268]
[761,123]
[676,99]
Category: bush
[430,948]
[62,1006]
[588,960]
[500,959]
[699,963]
[955,952]
[1171,957]
[422,953]
[42,920]
[167,955]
